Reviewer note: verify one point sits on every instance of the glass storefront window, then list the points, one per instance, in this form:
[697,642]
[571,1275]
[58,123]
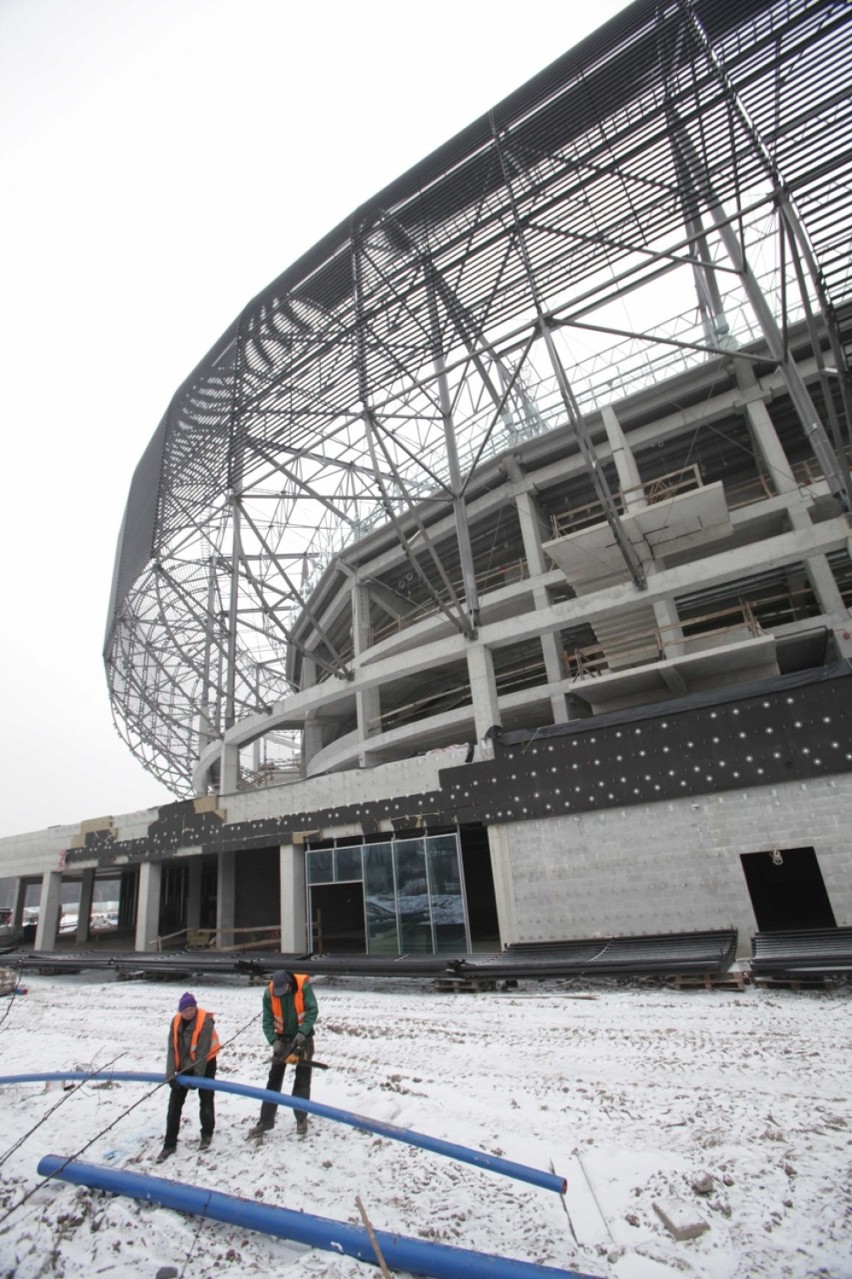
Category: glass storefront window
[380,900]
[413,892]
[320,866]
[347,863]
[412,887]
[446,895]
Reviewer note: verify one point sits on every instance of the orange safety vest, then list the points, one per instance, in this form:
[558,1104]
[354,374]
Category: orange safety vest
[200,1017]
[302,980]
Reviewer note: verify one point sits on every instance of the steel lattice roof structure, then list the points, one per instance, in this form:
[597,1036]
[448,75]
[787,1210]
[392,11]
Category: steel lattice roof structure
[667,191]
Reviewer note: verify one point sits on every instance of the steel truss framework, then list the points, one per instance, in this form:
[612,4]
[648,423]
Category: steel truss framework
[669,190]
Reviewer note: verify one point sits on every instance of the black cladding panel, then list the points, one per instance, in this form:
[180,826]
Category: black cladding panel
[764,740]
[795,733]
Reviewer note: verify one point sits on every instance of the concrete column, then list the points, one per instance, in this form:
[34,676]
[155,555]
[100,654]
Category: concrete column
[769,446]
[193,894]
[629,479]
[229,771]
[312,736]
[225,898]
[666,617]
[825,587]
[84,911]
[309,671]
[367,704]
[820,574]
[20,901]
[312,739]
[530,522]
[504,885]
[295,929]
[49,910]
[148,905]
[483,691]
[551,644]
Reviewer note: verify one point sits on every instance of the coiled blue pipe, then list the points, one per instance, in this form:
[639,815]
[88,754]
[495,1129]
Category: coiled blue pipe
[415,1255]
[505,1167]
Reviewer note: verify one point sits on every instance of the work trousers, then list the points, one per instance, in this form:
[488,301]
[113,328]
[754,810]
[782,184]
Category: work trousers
[206,1109]
[301,1083]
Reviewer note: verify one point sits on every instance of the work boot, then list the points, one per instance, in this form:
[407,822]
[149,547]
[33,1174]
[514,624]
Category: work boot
[204,1143]
[165,1153]
[301,1125]
[258,1132]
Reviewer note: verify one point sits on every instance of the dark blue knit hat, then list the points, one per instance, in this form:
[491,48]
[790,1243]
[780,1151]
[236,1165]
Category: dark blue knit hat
[186,1001]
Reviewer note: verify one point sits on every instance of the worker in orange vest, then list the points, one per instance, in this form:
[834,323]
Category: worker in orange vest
[193,1045]
[289,1013]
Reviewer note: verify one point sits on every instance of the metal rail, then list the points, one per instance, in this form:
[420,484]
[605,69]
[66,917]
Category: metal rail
[803,952]
[663,953]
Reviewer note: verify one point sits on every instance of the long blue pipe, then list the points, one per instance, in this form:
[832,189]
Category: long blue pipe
[505,1167]
[415,1255]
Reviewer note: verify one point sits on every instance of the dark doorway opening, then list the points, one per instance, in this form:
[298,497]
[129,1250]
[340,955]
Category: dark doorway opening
[337,919]
[173,894]
[479,889]
[787,890]
[257,897]
[209,891]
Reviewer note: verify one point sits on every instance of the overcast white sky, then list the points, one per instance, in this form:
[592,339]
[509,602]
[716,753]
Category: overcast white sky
[162,161]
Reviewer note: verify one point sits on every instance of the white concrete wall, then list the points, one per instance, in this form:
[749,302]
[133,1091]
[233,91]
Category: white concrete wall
[673,866]
[36,852]
[339,790]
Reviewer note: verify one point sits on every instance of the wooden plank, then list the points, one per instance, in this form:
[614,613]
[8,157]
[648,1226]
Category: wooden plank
[464,985]
[791,983]
[710,981]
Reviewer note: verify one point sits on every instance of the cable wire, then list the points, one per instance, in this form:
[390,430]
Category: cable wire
[145,1097]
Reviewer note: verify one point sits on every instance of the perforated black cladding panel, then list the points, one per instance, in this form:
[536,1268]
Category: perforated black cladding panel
[772,738]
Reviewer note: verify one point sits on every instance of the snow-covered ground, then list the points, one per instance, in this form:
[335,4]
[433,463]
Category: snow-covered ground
[727,1108]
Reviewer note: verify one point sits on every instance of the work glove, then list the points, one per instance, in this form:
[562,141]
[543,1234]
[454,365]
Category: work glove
[299,1043]
[279,1050]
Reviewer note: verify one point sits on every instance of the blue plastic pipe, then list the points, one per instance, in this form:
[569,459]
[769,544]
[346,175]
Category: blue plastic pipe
[414,1255]
[505,1167]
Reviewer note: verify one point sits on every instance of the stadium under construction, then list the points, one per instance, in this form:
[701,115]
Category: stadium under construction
[489,582]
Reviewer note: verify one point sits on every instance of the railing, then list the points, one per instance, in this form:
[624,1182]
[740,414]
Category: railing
[653,645]
[449,697]
[753,490]
[515,677]
[270,774]
[490,580]
[785,607]
[665,487]
[660,489]
[259,937]
[518,677]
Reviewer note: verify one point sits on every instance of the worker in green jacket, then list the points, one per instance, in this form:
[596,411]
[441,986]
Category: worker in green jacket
[289,1013]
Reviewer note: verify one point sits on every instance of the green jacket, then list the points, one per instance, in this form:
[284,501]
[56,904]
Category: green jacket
[288,1007]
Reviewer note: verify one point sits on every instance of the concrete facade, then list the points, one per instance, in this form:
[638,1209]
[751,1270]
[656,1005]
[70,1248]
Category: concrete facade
[672,867]
[627,869]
